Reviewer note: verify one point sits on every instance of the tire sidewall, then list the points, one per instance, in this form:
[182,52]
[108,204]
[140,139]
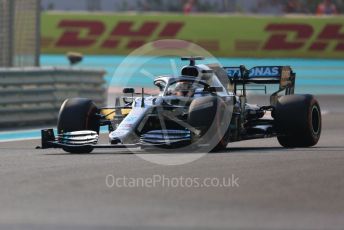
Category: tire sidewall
[78,114]
[294,120]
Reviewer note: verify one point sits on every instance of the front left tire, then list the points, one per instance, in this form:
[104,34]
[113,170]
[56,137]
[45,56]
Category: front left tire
[208,114]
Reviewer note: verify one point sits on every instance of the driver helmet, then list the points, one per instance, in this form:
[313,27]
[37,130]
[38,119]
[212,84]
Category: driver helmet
[185,88]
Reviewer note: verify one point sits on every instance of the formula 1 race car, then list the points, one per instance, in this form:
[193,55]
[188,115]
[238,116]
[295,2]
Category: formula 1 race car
[200,110]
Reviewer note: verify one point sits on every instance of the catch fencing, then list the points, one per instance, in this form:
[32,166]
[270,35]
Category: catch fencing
[32,96]
[19,33]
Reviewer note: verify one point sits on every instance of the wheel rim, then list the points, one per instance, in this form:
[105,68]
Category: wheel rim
[315,120]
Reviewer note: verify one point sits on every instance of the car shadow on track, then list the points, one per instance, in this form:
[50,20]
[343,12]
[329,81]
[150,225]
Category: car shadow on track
[278,148]
[243,150]
[93,153]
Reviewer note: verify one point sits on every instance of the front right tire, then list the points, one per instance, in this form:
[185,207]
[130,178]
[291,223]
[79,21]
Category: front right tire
[78,114]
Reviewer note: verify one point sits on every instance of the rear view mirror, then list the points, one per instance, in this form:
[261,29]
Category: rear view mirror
[129,90]
[128,100]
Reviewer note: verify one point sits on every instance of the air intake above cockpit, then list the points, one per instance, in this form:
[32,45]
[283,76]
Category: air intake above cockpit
[190,71]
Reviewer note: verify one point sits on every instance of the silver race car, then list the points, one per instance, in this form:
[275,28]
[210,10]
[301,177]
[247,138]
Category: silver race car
[203,109]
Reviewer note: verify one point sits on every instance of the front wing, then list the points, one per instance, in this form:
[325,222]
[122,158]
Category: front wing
[48,140]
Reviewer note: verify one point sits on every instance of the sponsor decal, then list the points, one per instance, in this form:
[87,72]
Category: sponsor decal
[256,72]
[303,33]
[233,72]
[264,72]
[77,33]
[123,33]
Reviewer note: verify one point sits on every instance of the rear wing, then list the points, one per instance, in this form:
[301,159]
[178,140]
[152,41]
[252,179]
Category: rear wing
[282,75]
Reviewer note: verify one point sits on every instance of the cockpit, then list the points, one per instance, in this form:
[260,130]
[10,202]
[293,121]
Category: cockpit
[184,88]
[194,80]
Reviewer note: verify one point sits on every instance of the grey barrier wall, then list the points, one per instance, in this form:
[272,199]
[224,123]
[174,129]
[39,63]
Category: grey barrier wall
[32,96]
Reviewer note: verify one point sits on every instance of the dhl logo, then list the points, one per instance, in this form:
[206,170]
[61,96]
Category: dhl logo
[303,33]
[126,35]
[73,30]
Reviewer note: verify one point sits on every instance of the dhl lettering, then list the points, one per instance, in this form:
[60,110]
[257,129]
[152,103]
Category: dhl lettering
[281,32]
[73,28]
[124,29]
[171,29]
[286,38]
[281,37]
[332,32]
[74,33]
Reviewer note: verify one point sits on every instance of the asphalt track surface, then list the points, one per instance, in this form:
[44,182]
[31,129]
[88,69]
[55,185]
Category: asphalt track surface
[278,188]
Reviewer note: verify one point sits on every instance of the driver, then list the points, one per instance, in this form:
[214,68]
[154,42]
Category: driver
[184,89]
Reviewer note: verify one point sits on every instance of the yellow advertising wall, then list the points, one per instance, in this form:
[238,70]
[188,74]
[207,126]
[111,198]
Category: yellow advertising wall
[230,36]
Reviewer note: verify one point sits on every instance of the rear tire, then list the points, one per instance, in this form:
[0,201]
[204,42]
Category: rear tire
[298,121]
[78,114]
